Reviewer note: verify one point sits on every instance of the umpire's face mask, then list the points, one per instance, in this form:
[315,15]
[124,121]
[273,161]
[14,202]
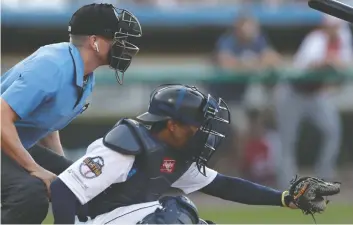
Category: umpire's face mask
[122,51]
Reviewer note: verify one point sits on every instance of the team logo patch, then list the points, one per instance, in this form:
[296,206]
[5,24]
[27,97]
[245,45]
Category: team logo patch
[91,167]
[132,172]
[168,165]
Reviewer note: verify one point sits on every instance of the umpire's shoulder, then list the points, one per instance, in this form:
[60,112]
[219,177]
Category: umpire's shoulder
[41,68]
[58,55]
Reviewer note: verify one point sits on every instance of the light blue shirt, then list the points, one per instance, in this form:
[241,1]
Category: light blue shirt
[46,90]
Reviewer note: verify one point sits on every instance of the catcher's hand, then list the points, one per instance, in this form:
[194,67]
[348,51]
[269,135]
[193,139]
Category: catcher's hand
[308,193]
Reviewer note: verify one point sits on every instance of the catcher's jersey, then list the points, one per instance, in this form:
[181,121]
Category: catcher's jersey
[102,167]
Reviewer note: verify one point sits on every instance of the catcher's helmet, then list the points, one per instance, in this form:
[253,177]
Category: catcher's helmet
[113,23]
[188,105]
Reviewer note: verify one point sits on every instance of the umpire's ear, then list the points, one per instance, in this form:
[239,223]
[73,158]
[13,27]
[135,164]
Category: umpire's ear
[93,42]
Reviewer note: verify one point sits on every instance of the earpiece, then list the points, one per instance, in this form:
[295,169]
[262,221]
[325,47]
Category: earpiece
[95,44]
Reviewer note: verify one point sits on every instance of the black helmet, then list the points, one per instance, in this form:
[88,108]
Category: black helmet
[188,105]
[113,23]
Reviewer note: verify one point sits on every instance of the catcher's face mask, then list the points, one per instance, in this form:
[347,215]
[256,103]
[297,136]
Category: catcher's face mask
[209,136]
[122,51]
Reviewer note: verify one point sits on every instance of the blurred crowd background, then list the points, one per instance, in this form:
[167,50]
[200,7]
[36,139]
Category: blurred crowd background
[284,69]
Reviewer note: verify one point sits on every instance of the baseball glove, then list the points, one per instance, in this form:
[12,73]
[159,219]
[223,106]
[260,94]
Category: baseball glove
[309,193]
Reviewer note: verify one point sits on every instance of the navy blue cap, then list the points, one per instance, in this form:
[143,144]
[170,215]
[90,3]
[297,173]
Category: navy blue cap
[95,19]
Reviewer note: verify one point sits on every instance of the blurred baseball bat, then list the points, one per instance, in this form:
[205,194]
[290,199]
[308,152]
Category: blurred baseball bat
[333,8]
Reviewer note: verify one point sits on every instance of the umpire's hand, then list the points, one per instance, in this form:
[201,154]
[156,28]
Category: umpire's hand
[46,176]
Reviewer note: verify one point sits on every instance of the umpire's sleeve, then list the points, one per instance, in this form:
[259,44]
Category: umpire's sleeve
[37,83]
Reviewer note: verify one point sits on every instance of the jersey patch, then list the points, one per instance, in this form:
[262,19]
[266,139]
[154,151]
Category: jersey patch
[132,172]
[91,167]
[168,165]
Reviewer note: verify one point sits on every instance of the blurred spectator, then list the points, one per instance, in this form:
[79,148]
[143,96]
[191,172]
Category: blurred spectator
[262,145]
[243,48]
[327,48]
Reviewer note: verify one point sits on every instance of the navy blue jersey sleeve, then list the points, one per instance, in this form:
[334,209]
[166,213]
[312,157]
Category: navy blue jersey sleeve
[64,203]
[242,191]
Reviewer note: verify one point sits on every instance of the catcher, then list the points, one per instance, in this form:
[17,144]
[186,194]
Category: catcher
[124,174]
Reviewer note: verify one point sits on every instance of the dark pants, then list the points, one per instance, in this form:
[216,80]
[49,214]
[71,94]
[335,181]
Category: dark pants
[24,197]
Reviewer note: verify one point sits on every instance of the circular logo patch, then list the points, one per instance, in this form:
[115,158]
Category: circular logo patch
[91,167]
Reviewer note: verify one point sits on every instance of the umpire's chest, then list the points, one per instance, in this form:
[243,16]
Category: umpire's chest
[65,106]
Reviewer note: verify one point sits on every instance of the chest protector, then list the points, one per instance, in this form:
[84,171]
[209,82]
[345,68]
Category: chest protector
[155,169]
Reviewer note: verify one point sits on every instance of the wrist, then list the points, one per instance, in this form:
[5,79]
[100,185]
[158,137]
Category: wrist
[286,199]
[32,167]
[25,160]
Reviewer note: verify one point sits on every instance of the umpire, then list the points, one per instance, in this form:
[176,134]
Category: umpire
[45,92]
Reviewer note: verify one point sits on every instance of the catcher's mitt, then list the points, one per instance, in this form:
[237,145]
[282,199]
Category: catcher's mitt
[308,193]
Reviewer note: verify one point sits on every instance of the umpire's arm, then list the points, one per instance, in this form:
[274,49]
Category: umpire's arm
[52,142]
[10,141]
[33,87]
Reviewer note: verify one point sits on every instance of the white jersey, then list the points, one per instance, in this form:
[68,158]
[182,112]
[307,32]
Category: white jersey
[101,167]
